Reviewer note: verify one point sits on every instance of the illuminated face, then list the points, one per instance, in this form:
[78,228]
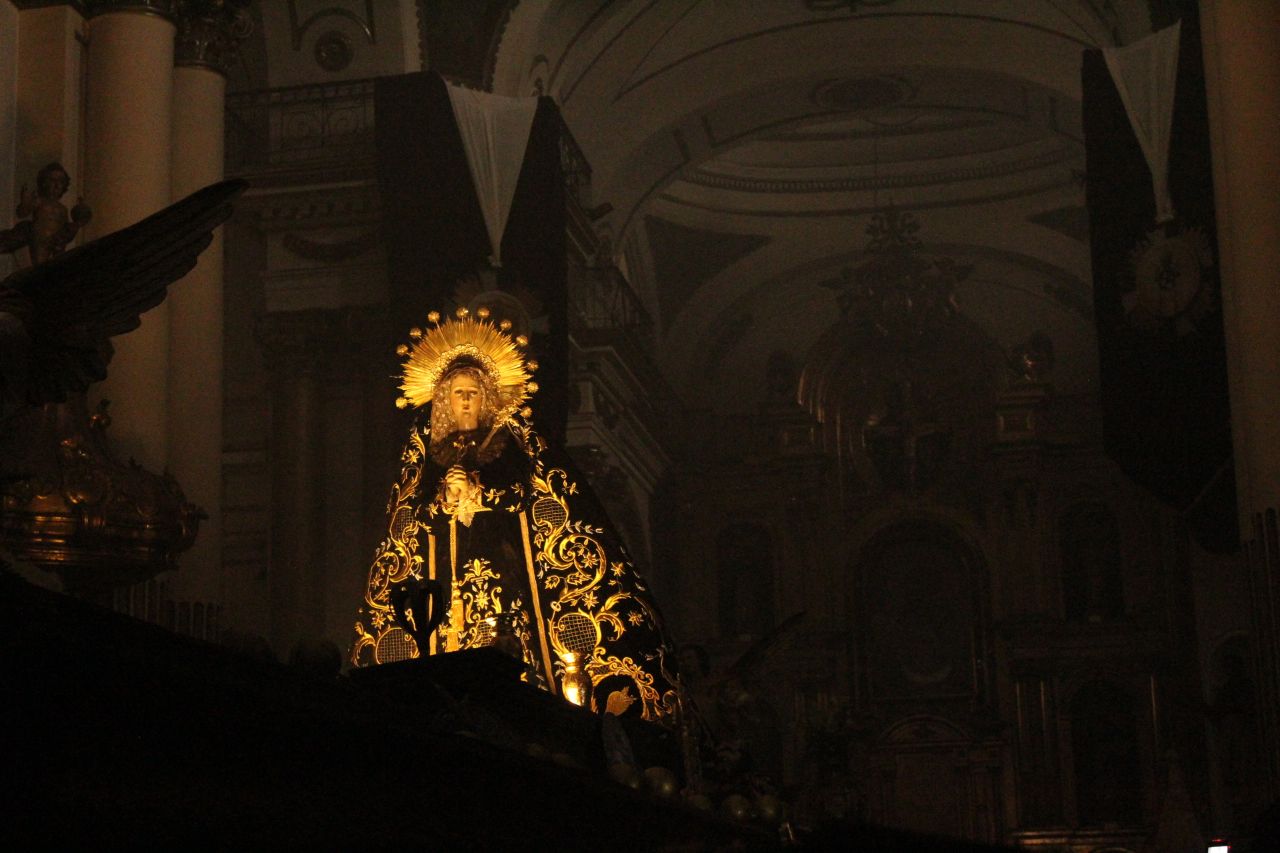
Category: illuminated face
[466,399]
[54,184]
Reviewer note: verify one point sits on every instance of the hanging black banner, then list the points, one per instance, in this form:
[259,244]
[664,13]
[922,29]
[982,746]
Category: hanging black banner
[1158,304]
[437,245]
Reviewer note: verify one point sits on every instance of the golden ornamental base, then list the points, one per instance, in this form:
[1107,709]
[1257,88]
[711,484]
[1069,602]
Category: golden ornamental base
[70,508]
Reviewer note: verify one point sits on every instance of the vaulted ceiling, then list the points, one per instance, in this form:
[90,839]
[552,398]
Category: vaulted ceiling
[742,146]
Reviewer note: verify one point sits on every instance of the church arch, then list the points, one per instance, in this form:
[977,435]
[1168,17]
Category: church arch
[918,613]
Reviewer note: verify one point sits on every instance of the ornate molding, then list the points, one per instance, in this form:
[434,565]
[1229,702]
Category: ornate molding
[21,5]
[163,8]
[298,25]
[855,184]
[334,252]
[210,32]
[354,204]
[851,6]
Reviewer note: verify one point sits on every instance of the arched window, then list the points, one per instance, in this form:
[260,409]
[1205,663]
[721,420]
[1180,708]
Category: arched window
[1104,749]
[744,575]
[1092,589]
[918,596]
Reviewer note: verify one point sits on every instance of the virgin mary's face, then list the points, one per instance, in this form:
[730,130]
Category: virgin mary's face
[466,399]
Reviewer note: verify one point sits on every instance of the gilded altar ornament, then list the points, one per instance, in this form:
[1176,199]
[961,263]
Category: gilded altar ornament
[69,507]
[485,511]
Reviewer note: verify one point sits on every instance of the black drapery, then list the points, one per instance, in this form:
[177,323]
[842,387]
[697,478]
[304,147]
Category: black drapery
[1166,414]
[436,232]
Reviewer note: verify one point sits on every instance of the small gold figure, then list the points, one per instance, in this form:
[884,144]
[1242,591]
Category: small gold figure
[45,226]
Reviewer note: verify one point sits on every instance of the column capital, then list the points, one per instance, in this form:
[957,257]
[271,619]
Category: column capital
[210,32]
[162,8]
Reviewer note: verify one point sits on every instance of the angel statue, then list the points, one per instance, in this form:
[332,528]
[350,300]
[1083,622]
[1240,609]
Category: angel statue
[45,226]
[56,317]
[492,541]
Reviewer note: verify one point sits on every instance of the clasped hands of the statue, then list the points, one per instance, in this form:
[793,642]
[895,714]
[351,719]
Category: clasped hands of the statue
[460,493]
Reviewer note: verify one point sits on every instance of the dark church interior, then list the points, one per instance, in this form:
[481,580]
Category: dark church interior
[808,424]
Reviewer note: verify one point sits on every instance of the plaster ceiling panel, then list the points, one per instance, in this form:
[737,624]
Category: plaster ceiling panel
[1047,292]
[856,141]
[703,26]
[800,254]
[685,257]
[1009,297]
[743,145]
[626,72]
[895,114]
[732,362]
[746,94]
[987,123]
[1032,170]
[951,161]
[1072,220]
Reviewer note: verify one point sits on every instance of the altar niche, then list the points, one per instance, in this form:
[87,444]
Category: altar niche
[918,589]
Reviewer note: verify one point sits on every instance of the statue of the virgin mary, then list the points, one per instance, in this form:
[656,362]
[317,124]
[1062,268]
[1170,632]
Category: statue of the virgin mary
[492,541]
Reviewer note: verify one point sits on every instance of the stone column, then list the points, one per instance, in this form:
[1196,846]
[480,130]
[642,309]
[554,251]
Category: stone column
[296,345]
[8,120]
[129,103]
[1242,79]
[208,34]
[45,45]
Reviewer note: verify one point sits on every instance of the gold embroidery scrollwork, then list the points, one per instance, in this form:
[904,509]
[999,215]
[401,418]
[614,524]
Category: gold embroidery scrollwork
[396,560]
[574,564]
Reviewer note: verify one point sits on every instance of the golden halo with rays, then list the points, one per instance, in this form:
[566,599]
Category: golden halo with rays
[476,339]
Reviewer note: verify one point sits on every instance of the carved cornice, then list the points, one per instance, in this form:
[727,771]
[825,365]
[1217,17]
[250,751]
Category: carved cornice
[21,5]
[351,204]
[163,8]
[210,32]
[333,252]
[882,182]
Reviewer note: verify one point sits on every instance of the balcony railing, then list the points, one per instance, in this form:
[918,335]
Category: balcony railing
[601,299]
[576,169]
[331,125]
[301,127]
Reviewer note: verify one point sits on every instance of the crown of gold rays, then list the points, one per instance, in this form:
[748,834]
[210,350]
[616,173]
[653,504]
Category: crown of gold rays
[474,339]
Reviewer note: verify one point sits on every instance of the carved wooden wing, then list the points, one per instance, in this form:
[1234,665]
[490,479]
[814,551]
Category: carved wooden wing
[81,299]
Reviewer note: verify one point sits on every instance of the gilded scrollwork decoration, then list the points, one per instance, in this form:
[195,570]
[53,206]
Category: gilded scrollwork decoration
[485,509]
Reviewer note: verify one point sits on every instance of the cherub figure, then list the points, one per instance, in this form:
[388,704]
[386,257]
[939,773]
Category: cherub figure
[46,227]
